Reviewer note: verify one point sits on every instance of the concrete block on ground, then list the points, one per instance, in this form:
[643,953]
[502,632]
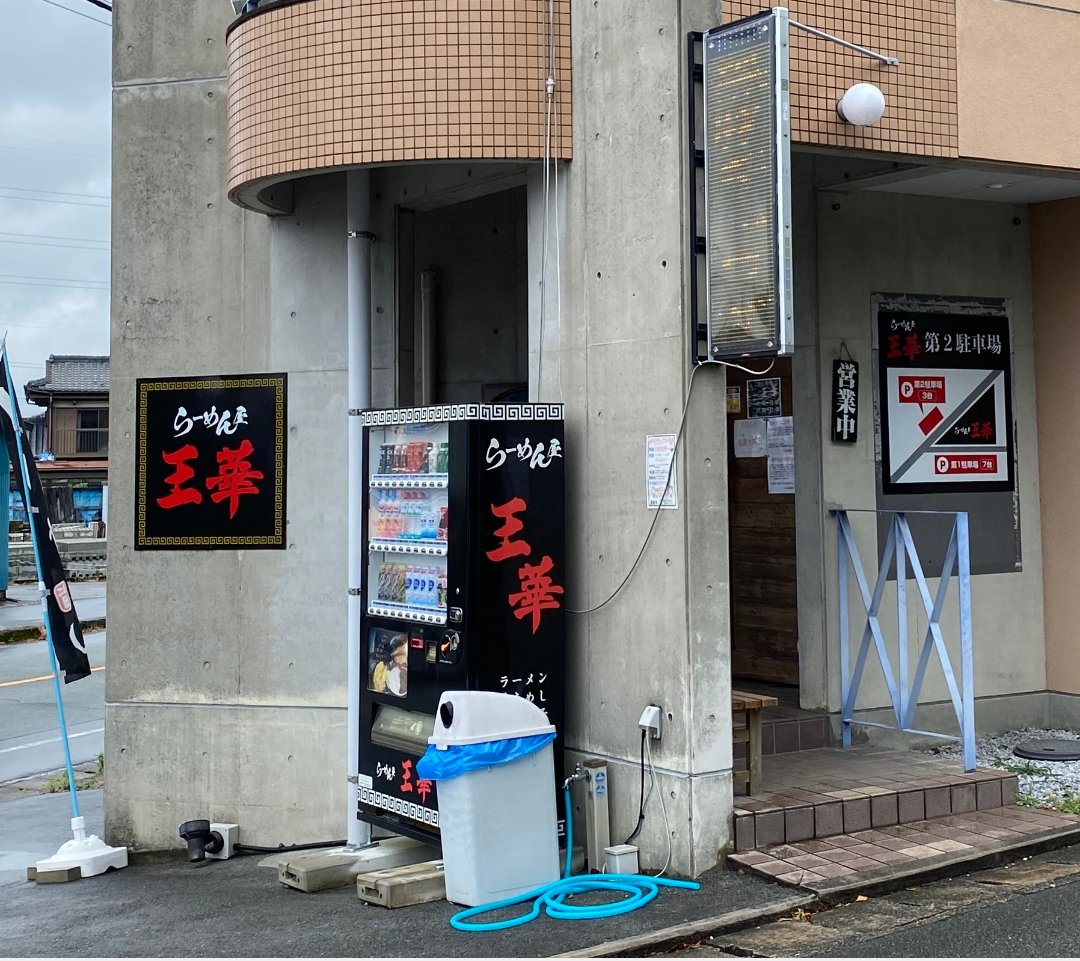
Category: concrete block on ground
[56,876]
[321,870]
[403,886]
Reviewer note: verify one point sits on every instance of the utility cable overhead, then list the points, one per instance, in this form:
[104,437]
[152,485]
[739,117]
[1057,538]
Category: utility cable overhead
[45,328]
[54,147]
[60,193]
[49,200]
[85,16]
[61,280]
[102,4]
[53,244]
[74,240]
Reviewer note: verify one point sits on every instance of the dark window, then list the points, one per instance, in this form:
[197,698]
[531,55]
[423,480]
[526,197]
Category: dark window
[92,436]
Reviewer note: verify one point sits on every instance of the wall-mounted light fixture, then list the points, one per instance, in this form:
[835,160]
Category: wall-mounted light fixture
[862,105]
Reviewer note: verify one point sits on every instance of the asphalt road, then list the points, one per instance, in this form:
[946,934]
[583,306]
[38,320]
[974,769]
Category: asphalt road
[23,605]
[29,731]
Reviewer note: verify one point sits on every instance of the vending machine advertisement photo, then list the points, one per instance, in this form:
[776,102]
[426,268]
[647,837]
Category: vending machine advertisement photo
[463,585]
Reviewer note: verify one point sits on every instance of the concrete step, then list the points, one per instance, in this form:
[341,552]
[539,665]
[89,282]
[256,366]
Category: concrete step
[833,791]
[842,863]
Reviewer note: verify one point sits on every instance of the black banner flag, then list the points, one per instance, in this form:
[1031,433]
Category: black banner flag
[64,627]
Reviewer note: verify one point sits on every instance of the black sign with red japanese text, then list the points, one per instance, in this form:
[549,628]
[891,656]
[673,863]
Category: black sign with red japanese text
[521,573]
[210,462]
[946,402]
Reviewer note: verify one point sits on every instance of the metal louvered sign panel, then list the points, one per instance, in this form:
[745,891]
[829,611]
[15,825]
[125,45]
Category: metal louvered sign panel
[747,188]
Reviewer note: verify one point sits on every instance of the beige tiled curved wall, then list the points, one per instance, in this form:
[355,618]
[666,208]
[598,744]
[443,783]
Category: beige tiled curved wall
[920,95]
[329,83]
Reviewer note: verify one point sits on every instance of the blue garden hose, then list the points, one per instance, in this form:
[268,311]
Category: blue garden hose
[641,888]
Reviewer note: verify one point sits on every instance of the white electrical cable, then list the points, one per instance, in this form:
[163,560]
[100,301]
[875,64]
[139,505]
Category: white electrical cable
[656,517]
[728,363]
[663,806]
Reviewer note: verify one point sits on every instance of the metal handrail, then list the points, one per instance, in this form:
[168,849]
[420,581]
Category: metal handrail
[900,550]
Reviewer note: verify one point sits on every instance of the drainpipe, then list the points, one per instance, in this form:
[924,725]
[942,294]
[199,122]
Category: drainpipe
[358,248]
[429,282]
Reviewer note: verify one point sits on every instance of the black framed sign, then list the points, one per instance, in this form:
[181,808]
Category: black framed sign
[845,401]
[210,462]
[946,402]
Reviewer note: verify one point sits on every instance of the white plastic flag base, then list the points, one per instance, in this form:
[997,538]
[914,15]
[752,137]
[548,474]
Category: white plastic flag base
[90,855]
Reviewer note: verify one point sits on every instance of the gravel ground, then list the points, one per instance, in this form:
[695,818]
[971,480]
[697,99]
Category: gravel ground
[1049,782]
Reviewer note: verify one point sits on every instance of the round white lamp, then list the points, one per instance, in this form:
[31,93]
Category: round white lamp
[861,105]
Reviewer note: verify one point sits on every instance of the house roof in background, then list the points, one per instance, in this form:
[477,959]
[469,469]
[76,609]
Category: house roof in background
[72,374]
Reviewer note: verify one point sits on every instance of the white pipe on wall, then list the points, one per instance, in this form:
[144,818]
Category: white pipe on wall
[358,246]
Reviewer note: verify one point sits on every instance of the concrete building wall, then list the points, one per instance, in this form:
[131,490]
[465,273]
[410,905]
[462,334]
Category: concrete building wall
[870,243]
[1055,254]
[617,355]
[226,681]
[1017,81]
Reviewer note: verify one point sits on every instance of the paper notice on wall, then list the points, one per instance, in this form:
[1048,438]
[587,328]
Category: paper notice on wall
[763,397]
[750,437]
[661,484]
[780,433]
[780,443]
[781,472]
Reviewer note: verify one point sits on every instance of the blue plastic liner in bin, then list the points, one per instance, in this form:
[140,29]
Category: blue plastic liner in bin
[442,764]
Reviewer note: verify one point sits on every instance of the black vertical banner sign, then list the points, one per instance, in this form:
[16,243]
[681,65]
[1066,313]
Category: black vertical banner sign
[64,627]
[520,573]
[210,462]
[845,401]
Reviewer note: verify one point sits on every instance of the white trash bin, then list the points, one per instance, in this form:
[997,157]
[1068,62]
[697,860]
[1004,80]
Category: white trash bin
[498,822]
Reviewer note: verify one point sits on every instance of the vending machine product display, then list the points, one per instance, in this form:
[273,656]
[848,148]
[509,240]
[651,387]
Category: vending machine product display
[463,585]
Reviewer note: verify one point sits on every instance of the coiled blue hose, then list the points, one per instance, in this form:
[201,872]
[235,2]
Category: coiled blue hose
[641,888]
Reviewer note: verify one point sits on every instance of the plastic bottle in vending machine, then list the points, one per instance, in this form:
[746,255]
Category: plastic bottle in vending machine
[441,596]
[380,514]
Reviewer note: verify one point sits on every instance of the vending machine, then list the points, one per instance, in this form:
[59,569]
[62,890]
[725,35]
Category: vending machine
[463,585]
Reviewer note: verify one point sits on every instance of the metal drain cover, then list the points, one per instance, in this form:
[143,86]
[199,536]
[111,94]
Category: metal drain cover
[1049,750]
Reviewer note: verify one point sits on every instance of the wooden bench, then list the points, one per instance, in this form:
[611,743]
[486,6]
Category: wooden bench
[750,706]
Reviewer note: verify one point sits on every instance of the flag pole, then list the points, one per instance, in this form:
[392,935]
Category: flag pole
[89,854]
[30,509]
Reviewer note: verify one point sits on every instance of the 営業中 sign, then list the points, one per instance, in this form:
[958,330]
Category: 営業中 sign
[845,401]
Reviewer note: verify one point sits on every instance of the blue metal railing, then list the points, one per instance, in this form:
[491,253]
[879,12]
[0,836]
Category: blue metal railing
[900,550]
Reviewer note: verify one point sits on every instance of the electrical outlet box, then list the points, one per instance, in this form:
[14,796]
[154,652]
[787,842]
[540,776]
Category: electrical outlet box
[230,835]
[652,721]
[622,859]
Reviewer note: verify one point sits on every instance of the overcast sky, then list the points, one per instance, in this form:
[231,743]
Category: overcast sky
[54,182]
